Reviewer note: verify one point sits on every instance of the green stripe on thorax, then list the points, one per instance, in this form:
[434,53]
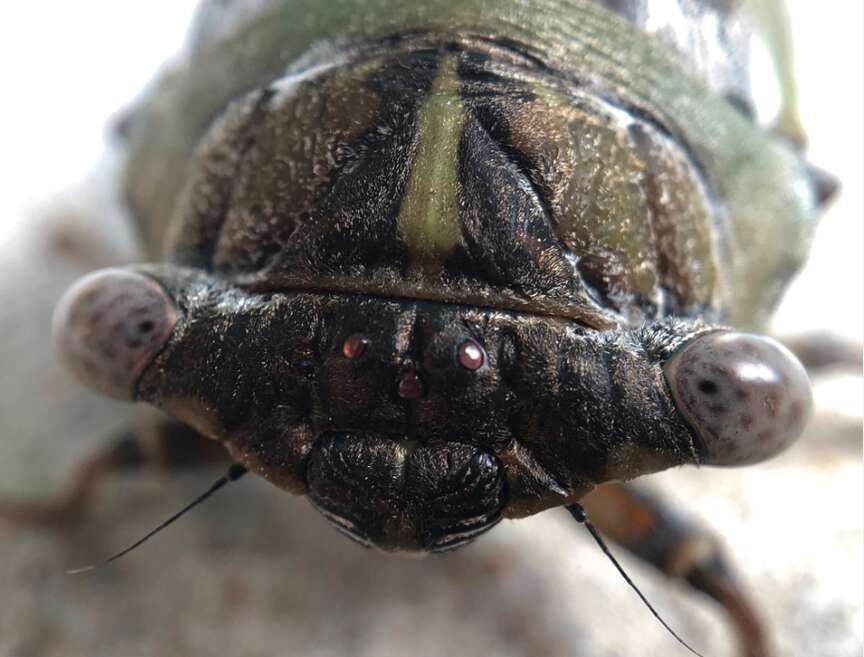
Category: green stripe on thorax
[760,183]
[429,215]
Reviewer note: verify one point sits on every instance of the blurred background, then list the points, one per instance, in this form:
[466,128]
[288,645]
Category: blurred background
[258,573]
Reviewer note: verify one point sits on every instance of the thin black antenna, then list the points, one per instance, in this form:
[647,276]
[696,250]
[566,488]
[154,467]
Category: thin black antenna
[581,516]
[234,473]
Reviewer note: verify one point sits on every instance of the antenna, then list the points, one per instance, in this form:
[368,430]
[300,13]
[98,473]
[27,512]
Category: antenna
[578,512]
[234,473]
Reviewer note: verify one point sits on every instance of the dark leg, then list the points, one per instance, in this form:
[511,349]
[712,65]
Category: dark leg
[163,444]
[823,350]
[646,527]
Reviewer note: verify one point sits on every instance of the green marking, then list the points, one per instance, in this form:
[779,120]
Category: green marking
[429,215]
[759,182]
[771,21]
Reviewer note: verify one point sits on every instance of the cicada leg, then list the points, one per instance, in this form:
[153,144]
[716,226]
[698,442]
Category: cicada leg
[822,350]
[645,526]
[163,444]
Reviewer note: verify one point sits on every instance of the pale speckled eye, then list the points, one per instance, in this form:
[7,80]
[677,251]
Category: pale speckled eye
[746,395]
[471,355]
[109,325]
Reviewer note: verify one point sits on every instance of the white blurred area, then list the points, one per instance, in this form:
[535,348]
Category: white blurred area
[74,65]
[829,293]
[67,68]
[830,66]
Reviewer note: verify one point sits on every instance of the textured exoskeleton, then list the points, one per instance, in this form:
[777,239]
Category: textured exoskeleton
[437,263]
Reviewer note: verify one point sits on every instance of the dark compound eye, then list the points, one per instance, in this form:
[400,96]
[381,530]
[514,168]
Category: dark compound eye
[355,345]
[471,355]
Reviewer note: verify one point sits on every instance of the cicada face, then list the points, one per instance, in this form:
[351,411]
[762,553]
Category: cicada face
[433,265]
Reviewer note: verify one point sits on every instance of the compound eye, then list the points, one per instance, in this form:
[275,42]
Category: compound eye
[109,325]
[746,396]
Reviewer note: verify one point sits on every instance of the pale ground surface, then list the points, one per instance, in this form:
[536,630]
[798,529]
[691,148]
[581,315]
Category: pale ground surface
[256,573]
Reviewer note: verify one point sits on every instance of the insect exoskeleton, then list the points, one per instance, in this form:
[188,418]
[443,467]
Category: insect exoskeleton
[435,264]
[446,417]
[426,280]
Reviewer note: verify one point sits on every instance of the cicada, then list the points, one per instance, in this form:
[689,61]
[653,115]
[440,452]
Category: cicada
[435,264]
